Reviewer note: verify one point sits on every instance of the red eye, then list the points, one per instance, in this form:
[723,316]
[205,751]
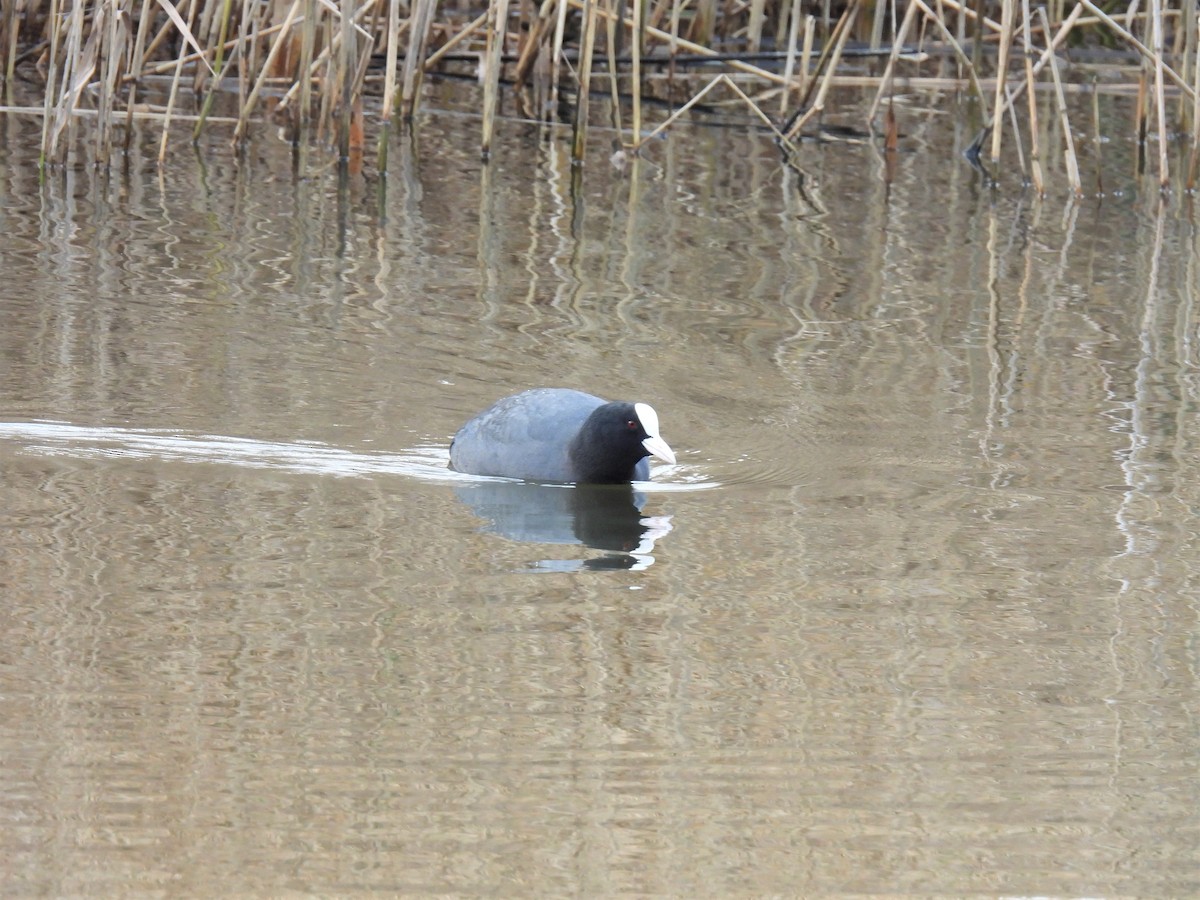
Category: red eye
[631,425]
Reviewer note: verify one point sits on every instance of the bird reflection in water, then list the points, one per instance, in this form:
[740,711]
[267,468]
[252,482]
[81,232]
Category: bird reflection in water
[605,517]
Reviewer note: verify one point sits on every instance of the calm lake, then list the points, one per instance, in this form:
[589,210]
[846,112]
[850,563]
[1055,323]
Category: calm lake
[914,614]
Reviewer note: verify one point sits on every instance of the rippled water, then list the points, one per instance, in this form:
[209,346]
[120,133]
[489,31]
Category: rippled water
[915,613]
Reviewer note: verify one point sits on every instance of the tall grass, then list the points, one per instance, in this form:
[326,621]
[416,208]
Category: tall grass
[331,69]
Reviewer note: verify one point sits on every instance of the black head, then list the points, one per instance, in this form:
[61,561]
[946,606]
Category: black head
[613,440]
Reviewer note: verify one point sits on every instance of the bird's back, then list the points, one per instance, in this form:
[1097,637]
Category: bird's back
[524,436]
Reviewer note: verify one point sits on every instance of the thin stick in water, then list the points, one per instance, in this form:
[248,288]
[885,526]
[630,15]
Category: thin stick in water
[818,104]
[496,33]
[579,138]
[1035,151]
[789,67]
[635,49]
[1007,18]
[1160,105]
[1069,152]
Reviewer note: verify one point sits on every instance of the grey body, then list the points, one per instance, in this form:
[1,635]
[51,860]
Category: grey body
[528,435]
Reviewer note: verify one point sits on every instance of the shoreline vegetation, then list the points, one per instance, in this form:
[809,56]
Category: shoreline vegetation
[330,71]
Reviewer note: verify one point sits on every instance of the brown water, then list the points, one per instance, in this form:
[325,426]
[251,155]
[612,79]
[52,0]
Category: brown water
[915,613]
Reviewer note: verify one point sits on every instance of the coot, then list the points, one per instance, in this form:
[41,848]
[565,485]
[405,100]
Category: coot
[560,435]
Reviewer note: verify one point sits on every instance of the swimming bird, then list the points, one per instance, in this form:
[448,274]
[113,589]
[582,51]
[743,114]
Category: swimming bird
[561,435]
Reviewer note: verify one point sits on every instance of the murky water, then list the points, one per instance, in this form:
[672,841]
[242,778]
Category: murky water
[915,612]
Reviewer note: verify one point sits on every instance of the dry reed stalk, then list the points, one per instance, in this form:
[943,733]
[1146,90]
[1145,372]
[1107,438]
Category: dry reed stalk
[876,38]
[115,54]
[51,78]
[588,41]
[89,52]
[321,69]
[783,22]
[72,61]
[281,39]
[185,29]
[1096,142]
[617,10]
[78,64]
[1035,152]
[9,32]
[420,20]
[246,40]
[357,122]
[1137,45]
[1071,160]
[818,104]
[690,47]
[704,23]
[136,63]
[1140,124]
[757,110]
[698,96]
[1046,56]
[611,41]
[1130,16]
[471,27]
[659,11]
[885,80]
[556,54]
[103,33]
[357,61]
[174,94]
[497,31]
[245,19]
[357,125]
[810,34]
[533,42]
[1189,61]
[977,36]
[325,65]
[1194,163]
[372,28]
[1007,23]
[1016,127]
[673,46]
[245,52]
[963,59]
[755,27]
[635,50]
[967,13]
[1180,35]
[827,49]
[308,42]
[143,115]
[346,57]
[1160,105]
[789,66]
[255,31]
[165,30]
[205,32]
[283,63]
[389,84]
[218,64]
[915,83]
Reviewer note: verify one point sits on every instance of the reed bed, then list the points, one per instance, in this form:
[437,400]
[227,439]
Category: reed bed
[332,72]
